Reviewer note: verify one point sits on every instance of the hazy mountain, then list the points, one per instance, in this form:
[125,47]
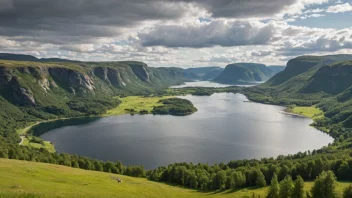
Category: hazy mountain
[244,73]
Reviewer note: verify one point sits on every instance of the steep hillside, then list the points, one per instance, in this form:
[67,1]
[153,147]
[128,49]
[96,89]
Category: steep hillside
[325,81]
[330,79]
[291,82]
[36,90]
[276,68]
[203,73]
[243,73]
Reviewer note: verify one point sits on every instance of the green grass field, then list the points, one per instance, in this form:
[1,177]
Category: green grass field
[20,178]
[47,145]
[311,112]
[137,103]
[26,140]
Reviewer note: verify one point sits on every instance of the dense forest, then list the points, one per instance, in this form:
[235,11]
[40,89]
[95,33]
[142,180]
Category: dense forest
[175,106]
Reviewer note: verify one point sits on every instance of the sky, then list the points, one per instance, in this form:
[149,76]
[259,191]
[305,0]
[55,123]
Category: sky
[181,33]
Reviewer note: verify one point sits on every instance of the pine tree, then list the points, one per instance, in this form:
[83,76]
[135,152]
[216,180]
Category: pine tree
[274,188]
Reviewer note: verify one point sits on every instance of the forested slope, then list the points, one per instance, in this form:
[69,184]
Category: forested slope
[238,73]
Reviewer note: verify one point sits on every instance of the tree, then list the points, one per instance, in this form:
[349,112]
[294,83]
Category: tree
[260,182]
[231,182]
[286,187]
[347,193]
[220,180]
[274,188]
[343,171]
[325,186]
[203,180]
[298,190]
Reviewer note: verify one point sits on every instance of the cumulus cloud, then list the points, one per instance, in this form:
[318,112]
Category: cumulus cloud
[340,8]
[167,31]
[327,41]
[217,32]
[253,8]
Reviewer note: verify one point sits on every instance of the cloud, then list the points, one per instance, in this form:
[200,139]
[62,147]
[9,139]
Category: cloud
[340,8]
[261,53]
[214,33]
[253,8]
[168,32]
[326,41]
[80,20]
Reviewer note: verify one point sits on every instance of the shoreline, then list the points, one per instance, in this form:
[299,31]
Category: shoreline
[285,111]
[25,130]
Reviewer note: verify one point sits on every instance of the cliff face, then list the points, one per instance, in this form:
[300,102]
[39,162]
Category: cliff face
[72,80]
[33,83]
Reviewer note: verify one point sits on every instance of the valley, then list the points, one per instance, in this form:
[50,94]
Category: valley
[41,90]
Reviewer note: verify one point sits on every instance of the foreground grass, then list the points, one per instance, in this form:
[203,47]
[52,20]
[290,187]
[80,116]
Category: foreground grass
[137,103]
[30,179]
[47,180]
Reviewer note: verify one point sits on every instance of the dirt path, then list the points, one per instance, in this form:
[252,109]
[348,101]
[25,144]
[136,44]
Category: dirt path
[22,138]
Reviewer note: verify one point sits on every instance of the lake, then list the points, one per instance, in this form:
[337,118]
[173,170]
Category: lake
[226,127]
[211,84]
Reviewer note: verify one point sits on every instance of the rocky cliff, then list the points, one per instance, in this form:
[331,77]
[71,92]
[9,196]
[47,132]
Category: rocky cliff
[34,82]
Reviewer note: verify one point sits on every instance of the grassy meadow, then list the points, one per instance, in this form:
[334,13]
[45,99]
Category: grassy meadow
[137,103]
[29,179]
[311,111]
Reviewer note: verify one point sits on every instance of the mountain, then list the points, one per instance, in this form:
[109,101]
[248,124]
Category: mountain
[276,68]
[33,90]
[18,57]
[23,57]
[331,79]
[293,81]
[203,73]
[21,79]
[325,81]
[244,73]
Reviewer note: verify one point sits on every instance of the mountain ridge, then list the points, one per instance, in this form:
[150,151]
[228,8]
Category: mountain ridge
[239,73]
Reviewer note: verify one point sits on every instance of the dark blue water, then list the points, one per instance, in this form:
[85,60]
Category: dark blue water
[224,128]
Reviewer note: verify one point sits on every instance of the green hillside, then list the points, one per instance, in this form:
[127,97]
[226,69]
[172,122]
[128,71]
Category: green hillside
[244,73]
[46,180]
[29,179]
[276,68]
[203,73]
[324,81]
[331,79]
[36,90]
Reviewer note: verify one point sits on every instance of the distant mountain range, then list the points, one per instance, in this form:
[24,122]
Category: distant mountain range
[239,73]
[203,73]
